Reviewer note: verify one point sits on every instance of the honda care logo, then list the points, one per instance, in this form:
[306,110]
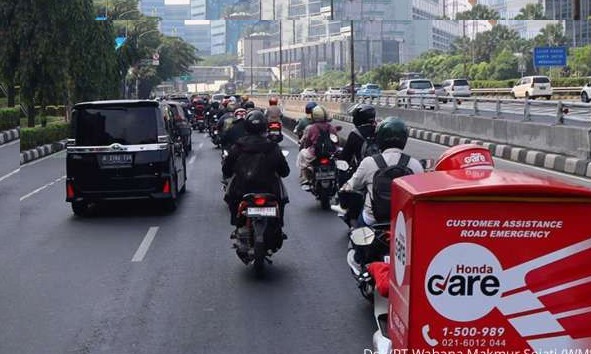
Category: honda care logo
[463,282]
[400,250]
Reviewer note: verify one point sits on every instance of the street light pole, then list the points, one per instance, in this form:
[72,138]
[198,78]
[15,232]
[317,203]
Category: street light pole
[280,59]
[137,46]
[352,64]
[251,74]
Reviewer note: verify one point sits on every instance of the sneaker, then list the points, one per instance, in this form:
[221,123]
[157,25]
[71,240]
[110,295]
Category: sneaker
[355,267]
[284,235]
[306,187]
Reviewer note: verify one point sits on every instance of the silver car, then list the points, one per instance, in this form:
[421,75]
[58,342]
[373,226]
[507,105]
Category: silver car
[457,88]
[412,91]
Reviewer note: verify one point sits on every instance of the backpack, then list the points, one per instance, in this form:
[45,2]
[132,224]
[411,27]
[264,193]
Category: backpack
[370,146]
[382,184]
[324,146]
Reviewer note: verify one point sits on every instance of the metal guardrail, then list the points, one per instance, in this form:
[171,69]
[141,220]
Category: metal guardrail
[552,112]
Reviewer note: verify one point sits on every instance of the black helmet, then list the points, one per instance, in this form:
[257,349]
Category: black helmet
[310,106]
[362,114]
[255,122]
[391,133]
[248,105]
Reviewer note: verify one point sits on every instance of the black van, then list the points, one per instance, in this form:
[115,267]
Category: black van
[125,149]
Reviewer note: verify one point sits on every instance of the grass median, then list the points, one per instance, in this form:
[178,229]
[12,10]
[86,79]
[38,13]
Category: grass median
[55,130]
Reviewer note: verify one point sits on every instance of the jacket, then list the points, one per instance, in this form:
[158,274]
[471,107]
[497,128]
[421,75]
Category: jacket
[274,114]
[362,179]
[235,132]
[268,168]
[312,132]
[352,149]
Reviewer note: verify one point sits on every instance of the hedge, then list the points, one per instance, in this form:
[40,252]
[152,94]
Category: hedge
[558,82]
[33,137]
[9,118]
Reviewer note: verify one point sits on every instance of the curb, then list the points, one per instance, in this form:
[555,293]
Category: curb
[559,163]
[42,151]
[9,135]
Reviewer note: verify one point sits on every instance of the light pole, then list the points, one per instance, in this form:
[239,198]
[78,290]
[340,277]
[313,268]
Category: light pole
[137,46]
[280,59]
[127,20]
[251,72]
[352,63]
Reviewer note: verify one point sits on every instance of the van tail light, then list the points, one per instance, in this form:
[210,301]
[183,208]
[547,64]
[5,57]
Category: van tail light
[324,160]
[70,190]
[166,187]
[260,200]
[410,92]
[431,91]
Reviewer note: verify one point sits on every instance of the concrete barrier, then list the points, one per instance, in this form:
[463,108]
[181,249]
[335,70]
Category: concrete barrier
[557,139]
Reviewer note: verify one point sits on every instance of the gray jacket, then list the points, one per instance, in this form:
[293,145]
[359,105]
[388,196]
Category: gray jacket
[362,179]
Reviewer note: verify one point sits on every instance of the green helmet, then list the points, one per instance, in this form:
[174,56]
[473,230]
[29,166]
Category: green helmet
[319,114]
[391,133]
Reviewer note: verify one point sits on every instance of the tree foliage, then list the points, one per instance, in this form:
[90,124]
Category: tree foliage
[531,12]
[478,12]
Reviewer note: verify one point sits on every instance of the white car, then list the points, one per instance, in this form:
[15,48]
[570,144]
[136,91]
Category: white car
[333,92]
[586,93]
[417,87]
[532,87]
[457,88]
[308,93]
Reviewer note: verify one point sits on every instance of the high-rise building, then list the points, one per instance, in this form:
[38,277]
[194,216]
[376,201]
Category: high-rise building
[218,37]
[578,32]
[172,12]
[198,33]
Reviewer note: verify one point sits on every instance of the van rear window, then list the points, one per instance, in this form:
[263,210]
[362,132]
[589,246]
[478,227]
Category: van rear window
[421,84]
[103,126]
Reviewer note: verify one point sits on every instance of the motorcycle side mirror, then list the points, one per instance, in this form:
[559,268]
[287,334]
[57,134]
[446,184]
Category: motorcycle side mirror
[342,165]
[427,164]
[362,236]
[334,138]
[285,152]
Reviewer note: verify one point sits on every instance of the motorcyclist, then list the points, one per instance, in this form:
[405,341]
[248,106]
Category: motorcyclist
[214,109]
[273,113]
[320,121]
[391,137]
[235,130]
[256,165]
[364,119]
[249,106]
[244,100]
[306,120]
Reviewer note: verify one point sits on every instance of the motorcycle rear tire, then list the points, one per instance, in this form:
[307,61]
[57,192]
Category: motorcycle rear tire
[259,258]
[324,199]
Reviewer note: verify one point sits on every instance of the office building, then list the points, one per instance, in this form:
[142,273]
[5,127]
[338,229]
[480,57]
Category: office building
[198,33]
[578,32]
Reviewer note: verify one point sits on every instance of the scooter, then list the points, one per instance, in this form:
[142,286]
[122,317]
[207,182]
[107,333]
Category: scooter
[323,177]
[371,244]
[260,234]
[274,132]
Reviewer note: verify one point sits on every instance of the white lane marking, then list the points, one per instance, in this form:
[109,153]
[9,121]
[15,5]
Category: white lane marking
[191,160]
[9,174]
[57,154]
[42,188]
[10,143]
[291,139]
[566,175]
[200,146]
[145,245]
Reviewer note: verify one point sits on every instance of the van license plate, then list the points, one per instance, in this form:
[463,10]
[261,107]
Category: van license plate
[115,160]
[542,87]
[265,211]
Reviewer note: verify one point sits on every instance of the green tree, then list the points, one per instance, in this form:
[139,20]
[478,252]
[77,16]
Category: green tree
[220,60]
[551,35]
[580,60]
[531,12]
[478,12]
[504,66]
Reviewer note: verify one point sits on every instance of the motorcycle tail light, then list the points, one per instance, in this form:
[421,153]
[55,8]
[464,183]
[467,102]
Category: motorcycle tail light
[260,201]
[166,187]
[69,190]
[275,125]
[324,161]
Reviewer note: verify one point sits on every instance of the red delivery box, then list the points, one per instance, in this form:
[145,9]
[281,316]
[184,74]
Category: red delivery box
[490,261]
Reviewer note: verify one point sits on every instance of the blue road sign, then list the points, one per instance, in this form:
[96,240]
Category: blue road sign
[550,56]
[101,18]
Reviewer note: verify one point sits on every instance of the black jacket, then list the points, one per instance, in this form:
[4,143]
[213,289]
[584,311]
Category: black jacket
[260,158]
[352,149]
[235,132]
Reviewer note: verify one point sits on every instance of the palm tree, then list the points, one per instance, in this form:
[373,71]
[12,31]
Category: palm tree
[478,12]
[531,12]
[551,35]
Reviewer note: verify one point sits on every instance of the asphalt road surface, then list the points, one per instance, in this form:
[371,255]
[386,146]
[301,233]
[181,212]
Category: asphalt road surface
[86,285]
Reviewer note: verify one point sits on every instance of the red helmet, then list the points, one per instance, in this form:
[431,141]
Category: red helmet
[465,156]
[273,101]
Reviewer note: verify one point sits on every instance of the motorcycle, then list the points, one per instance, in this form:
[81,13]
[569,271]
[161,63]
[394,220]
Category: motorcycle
[367,245]
[323,177]
[261,234]
[274,132]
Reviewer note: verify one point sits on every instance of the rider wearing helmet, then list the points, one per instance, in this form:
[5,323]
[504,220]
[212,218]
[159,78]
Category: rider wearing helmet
[320,122]
[244,99]
[465,156]
[364,119]
[256,164]
[391,137]
[306,120]
[248,105]
[234,128]
[273,113]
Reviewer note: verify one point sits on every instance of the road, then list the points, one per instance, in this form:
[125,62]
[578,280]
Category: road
[70,286]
